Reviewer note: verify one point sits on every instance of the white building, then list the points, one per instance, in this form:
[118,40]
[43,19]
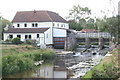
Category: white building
[45,27]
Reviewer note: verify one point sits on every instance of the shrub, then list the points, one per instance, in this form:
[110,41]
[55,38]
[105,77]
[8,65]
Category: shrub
[18,62]
[15,63]
[109,72]
[16,41]
[30,41]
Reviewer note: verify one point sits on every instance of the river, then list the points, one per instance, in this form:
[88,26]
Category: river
[71,65]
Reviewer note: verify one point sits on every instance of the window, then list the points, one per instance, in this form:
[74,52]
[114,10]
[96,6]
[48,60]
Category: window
[10,36]
[32,25]
[18,25]
[36,25]
[29,36]
[25,36]
[25,25]
[58,25]
[46,35]
[37,35]
[62,25]
[19,36]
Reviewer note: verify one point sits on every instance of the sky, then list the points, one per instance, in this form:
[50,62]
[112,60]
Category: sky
[8,8]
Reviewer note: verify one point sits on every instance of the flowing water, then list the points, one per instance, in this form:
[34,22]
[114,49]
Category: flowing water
[66,66]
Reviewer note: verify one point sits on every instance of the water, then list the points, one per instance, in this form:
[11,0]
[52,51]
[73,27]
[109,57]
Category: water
[43,71]
[67,66]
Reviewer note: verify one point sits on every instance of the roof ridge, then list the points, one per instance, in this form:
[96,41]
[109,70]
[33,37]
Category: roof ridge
[49,16]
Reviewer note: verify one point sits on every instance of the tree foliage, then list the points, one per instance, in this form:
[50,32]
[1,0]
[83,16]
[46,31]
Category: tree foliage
[79,18]
[3,23]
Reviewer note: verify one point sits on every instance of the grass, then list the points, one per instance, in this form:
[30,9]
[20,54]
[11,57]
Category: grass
[17,58]
[107,68]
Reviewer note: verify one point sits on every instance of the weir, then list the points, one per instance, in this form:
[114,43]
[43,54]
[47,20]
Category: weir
[75,38]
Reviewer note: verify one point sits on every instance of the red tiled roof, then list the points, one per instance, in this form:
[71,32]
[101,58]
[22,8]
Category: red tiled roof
[38,16]
[88,30]
[26,30]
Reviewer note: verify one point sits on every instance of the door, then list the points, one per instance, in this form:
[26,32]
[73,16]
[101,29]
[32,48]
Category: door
[42,40]
[59,42]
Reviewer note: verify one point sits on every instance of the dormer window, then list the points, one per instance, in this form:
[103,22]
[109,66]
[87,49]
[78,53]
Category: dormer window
[25,25]
[36,25]
[18,25]
[32,24]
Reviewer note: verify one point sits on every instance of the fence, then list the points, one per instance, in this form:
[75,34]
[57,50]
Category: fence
[93,35]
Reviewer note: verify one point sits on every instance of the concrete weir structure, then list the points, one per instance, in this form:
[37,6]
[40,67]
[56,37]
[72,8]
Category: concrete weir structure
[74,37]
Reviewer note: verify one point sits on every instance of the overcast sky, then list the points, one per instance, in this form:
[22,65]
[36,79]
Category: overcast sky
[8,8]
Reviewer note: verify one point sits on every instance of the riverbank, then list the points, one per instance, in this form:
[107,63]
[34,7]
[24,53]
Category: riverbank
[17,58]
[108,66]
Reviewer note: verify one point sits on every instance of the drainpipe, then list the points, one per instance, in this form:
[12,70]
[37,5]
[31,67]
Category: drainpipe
[52,33]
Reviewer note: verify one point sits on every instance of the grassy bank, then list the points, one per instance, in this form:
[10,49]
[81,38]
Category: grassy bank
[107,68]
[18,58]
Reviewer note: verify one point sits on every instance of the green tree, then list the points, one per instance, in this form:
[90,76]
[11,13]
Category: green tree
[78,17]
[3,24]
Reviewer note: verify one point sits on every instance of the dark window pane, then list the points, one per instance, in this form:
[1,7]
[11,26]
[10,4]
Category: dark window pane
[29,36]
[32,25]
[10,36]
[25,25]
[18,25]
[37,35]
[25,36]
[19,36]
[36,25]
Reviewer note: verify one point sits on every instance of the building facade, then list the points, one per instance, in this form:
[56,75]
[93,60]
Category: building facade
[45,27]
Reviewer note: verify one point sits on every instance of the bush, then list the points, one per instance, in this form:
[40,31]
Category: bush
[19,62]
[108,72]
[30,41]
[16,41]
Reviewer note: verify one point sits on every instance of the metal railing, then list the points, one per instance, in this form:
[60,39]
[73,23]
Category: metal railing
[93,35]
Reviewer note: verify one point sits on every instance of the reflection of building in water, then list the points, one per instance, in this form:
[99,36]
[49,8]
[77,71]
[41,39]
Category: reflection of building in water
[45,72]
[60,74]
[60,70]
[50,72]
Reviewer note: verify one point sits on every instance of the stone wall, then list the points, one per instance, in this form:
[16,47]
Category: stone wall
[70,40]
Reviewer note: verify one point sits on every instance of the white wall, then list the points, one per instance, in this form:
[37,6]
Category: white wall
[33,35]
[29,24]
[59,32]
[42,24]
[61,25]
[48,36]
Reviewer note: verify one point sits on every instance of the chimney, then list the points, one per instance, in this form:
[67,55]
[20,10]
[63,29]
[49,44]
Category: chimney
[34,11]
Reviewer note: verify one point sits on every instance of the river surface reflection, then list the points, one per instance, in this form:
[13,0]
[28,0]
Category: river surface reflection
[42,71]
[65,66]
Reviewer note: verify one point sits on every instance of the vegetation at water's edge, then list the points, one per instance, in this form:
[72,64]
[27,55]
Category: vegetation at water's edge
[107,68]
[23,58]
